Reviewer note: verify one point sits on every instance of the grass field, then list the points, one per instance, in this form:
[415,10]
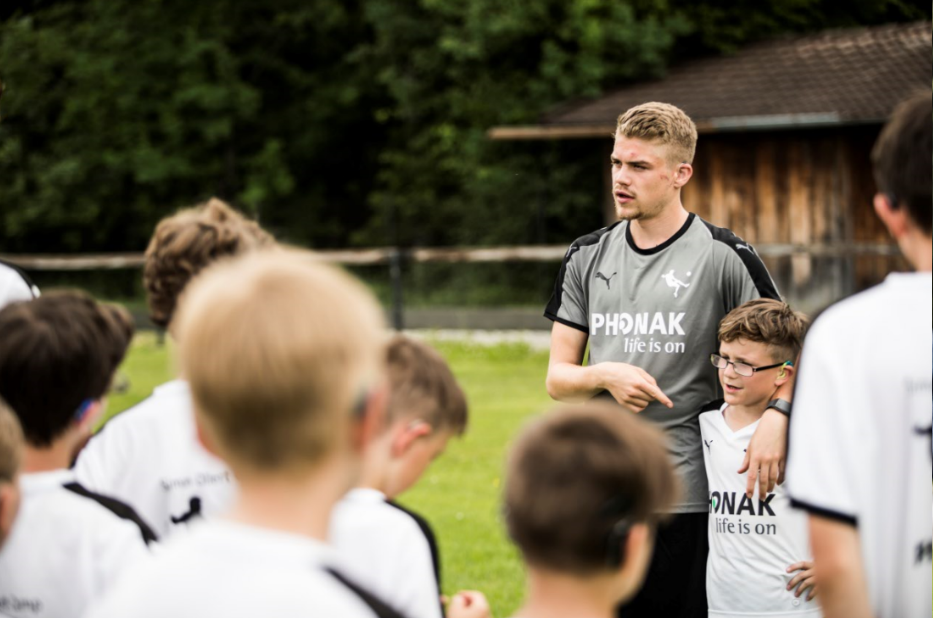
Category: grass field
[460,492]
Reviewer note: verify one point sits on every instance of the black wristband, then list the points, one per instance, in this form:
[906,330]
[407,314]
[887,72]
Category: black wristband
[781,405]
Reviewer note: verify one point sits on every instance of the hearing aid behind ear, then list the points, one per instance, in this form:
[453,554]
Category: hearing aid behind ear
[784,367]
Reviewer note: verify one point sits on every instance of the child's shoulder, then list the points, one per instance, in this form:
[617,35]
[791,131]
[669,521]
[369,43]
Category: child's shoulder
[712,406]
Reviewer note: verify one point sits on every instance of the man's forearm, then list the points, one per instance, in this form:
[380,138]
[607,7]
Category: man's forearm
[569,382]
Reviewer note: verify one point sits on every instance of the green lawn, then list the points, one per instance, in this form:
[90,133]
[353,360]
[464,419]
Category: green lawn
[460,492]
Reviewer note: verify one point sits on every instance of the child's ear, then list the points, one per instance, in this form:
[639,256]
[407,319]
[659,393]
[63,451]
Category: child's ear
[369,422]
[408,435]
[785,374]
[203,438]
[91,410]
[639,545]
[9,505]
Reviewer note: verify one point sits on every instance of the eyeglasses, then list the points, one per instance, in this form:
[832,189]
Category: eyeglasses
[743,369]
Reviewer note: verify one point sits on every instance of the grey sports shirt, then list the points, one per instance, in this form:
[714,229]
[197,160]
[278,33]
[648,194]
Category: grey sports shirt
[659,309]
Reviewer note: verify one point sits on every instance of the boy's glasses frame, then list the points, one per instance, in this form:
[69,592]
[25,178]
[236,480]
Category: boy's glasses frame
[743,369]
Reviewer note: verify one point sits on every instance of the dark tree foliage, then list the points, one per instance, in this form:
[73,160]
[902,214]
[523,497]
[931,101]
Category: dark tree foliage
[336,121]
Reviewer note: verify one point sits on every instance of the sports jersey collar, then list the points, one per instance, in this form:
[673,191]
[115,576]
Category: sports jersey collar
[664,245]
[239,541]
[901,279]
[170,388]
[41,482]
[365,495]
[721,420]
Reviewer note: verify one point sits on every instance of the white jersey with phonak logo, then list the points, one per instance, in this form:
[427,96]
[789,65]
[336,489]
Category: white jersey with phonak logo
[150,457]
[859,449]
[751,541]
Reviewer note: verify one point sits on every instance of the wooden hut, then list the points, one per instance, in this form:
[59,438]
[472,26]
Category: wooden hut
[786,130]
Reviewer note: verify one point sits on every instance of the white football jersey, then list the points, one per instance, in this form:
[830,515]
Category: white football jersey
[67,548]
[859,449]
[150,457]
[385,550]
[14,286]
[227,569]
[751,542]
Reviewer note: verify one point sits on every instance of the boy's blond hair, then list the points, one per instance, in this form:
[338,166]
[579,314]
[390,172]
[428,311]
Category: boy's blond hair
[573,475]
[11,444]
[663,123]
[188,241]
[279,350]
[422,386]
[770,322]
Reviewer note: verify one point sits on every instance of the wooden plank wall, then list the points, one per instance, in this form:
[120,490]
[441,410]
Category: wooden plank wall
[802,188]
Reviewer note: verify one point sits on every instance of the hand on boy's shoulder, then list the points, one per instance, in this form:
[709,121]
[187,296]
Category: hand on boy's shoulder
[469,604]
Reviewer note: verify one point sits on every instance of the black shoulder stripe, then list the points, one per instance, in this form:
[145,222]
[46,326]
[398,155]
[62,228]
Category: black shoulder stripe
[713,405]
[22,273]
[553,305]
[825,513]
[428,533]
[756,268]
[120,509]
[378,606]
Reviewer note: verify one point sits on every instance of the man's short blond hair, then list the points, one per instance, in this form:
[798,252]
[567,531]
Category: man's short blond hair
[11,444]
[189,241]
[662,123]
[422,386]
[279,350]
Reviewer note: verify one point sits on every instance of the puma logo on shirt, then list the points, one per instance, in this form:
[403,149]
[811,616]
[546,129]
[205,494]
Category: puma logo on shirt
[599,275]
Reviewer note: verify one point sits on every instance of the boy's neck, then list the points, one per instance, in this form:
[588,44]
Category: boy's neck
[557,595]
[290,504]
[375,471]
[58,456]
[738,417]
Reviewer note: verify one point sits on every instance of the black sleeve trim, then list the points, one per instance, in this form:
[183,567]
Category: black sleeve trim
[378,606]
[553,305]
[826,513]
[428,533]
[554,318]
[120,509]
[753,264]
[33,288]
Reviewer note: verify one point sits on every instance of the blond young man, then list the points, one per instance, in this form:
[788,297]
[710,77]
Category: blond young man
[390,550]
[68,546]
[283,355]
[583,490]
[646,295]
[860,433]
[149,456]
[11,460]
[759,559]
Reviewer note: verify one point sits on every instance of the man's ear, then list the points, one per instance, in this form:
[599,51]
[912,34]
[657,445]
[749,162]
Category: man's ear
[682,175]
[408,435]
[894,218]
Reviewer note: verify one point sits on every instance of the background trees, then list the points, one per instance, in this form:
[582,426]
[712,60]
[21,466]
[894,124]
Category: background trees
[337,122]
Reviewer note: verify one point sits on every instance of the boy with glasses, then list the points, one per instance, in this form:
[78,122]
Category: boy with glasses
[758,544]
